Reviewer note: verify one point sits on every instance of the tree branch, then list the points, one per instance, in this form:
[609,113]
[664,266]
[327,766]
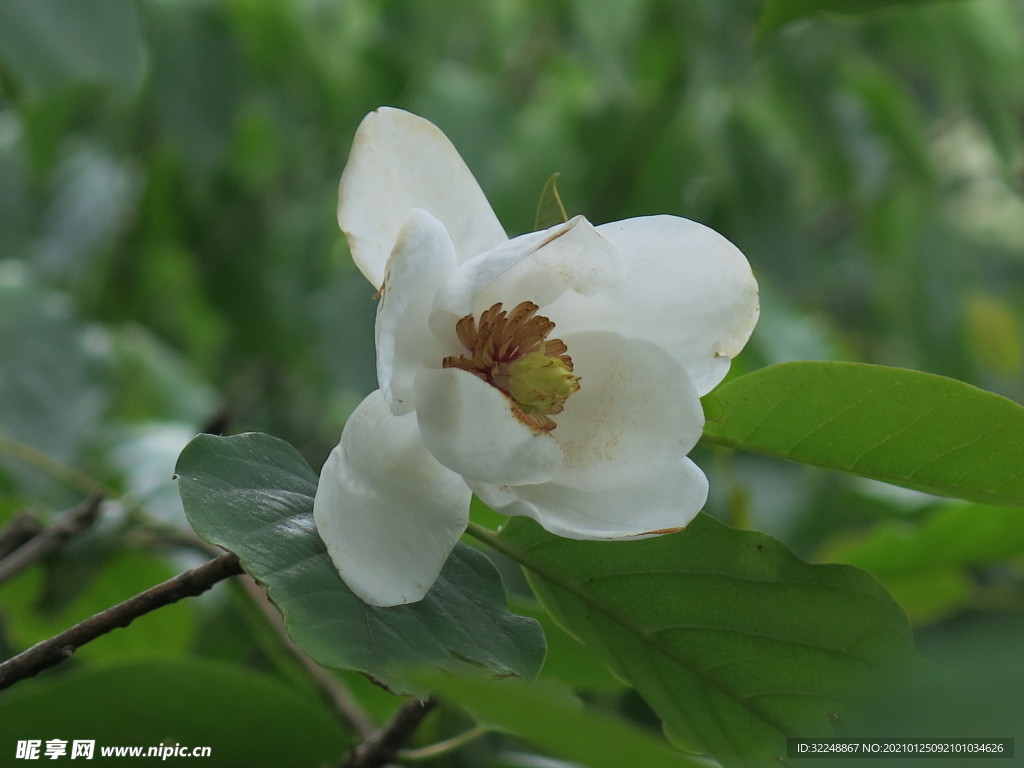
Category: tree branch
[336,695]
[18,530]
[51,538]
[60,647]
[382,747]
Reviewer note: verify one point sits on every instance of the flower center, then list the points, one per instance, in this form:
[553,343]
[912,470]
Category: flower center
[511,352]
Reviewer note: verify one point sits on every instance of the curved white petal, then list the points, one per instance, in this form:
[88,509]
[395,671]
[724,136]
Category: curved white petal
[661,503]
[388,513]
[470,427]
[579,260]
[636,412]
[399,162]
[422,258]
[457,295]
[687,289]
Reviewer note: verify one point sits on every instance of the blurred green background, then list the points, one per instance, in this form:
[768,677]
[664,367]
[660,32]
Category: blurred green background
[170,260]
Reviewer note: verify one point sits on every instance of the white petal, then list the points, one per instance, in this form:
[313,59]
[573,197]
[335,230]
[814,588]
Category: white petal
[636,412]
[687,288]
[579,259]
[422,258]
[458,296]
[399,162]
[661,503]
[387,511]
[470,427]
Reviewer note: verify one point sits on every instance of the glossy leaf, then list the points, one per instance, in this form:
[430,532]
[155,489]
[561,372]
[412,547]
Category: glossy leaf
[904,427]
[245,719]
[732,640]
[253,495]
[552,719]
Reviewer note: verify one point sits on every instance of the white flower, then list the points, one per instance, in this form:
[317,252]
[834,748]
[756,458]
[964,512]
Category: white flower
[556,375]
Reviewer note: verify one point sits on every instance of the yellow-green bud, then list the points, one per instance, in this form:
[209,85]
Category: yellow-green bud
[541,384]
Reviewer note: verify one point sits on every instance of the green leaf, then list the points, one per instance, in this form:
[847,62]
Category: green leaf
[732,640]
[550,210]
[245,719]
[908,428]
[956,535]
[567,661]
[550,718]
[50,43]
[925,566]
[53,388]
[974,690]
[776,13]
[253,495]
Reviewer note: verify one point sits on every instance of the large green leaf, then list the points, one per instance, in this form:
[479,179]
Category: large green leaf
[253,495]
[734,642]
[245,719]
[549,717]
[908,428]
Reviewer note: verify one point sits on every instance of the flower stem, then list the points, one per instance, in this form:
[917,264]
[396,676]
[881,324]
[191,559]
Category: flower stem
[492,539]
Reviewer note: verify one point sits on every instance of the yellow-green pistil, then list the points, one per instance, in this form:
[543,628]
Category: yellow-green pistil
[511,351]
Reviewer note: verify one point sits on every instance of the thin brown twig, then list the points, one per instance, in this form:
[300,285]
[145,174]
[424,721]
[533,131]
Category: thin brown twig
[337,696]
[52,537]
[19,529]
[383,746]
[60,647]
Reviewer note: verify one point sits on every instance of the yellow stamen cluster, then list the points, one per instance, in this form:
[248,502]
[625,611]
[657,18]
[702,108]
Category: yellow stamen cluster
[511,351]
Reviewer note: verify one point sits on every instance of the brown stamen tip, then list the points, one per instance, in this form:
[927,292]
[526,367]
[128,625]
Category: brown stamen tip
[499,338]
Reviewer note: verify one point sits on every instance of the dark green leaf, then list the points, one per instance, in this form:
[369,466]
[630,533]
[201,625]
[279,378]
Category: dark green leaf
[245,719]
[253,495]
[733,641]
[908,428]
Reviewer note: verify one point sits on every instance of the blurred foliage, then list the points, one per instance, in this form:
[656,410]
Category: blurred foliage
[169,261]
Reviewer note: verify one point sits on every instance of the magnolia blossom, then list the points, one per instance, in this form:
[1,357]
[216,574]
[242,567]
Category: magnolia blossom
[556,375]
